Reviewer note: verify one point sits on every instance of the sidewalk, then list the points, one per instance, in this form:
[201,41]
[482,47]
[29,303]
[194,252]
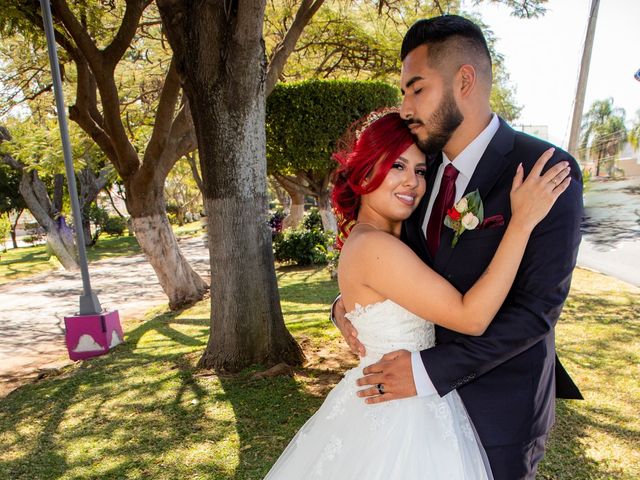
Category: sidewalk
[621,262]
[33,309]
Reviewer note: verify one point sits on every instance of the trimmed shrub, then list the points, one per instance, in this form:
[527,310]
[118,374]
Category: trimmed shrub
[312,219]
[305,120]
[115,225]
[301,246]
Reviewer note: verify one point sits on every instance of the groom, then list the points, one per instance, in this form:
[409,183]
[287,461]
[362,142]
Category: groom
[508,377]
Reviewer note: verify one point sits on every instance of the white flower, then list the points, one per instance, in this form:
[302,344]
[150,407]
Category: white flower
[470,221]
[462,205]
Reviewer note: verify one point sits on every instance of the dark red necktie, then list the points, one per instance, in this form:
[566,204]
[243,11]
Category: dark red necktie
[443,202]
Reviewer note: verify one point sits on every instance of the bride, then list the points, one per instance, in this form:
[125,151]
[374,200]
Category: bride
[383,283]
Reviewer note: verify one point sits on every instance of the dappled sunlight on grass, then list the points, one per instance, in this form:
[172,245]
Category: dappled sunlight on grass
[25,261]
[599,343]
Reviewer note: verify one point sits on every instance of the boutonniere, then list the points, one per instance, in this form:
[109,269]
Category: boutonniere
[466,214]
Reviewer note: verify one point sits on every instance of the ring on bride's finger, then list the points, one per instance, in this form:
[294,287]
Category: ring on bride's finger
[380,388]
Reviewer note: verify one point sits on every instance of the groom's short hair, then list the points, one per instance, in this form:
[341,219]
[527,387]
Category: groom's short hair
[453,41]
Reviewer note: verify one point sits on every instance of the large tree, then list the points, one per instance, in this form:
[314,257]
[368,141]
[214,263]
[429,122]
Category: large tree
[604,134]
[220,56]
[99,39]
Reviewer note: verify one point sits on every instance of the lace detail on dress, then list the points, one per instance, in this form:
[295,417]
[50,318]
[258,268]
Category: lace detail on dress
[463,420]
[442,412]
[331,449]
[379,415]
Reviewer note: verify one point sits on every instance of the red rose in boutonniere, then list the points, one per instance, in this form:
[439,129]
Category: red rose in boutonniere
[466,214]
[453,214]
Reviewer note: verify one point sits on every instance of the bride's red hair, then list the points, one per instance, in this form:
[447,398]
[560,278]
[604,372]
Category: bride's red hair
[369,148]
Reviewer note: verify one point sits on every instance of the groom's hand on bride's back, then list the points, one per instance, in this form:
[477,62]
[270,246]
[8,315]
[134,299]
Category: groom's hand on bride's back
[391,378]
[346,328]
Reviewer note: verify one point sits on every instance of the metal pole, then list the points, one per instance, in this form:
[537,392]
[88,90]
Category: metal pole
[89,303]
[576,119]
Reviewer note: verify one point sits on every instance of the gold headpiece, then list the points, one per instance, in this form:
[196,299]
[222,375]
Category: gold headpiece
[374,117]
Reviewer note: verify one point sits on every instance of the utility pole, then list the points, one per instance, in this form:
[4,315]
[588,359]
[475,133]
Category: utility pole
[576,119]
[89,303]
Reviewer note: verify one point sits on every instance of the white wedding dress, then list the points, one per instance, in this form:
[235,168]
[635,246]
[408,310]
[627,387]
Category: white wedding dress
[417,438]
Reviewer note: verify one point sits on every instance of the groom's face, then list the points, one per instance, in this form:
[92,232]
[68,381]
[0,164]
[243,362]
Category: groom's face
[428,104]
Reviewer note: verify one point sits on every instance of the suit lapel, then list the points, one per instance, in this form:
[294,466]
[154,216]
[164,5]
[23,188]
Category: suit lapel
[489,169]
[493,161]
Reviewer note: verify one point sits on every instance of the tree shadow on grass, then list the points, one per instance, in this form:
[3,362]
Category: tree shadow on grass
[599,349]
[128,414]
[566,457]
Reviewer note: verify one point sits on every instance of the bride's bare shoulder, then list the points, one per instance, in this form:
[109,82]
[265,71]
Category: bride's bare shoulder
[368,244]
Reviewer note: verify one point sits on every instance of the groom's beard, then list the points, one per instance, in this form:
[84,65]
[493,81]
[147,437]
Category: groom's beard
[443,122]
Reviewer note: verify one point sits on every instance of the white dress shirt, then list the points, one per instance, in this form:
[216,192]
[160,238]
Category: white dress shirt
[466,163]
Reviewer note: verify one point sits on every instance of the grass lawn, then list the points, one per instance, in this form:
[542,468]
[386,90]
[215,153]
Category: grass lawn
[145,412]
[25,261]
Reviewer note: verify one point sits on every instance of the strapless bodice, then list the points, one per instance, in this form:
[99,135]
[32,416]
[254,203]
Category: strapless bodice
[386,326]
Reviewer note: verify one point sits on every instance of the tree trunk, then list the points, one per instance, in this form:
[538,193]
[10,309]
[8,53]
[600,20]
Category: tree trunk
[90,186]
[296,187]
[59,236]
[329,222]
[182,285]
[14,236]
[221,60]
[86,227]
[296,211]
[58,192]
[281,194]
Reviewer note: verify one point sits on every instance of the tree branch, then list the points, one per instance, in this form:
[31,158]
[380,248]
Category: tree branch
[120,43]
[5,136]
[191,160]
[79,34]
[182,140]
[281,52]
[290,183]
[164,116]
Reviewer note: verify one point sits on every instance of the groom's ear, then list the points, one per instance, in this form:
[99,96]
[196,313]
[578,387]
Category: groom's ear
[466,80]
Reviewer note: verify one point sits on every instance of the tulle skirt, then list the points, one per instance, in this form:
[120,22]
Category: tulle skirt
[418,438]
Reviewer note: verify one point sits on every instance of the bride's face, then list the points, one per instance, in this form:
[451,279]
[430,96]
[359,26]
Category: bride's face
[400,192]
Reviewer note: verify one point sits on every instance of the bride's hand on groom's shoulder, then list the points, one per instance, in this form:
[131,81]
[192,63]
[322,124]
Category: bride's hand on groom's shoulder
[348,331]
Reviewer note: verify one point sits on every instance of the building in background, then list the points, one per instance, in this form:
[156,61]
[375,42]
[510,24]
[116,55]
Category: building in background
[629,161]
[540,131]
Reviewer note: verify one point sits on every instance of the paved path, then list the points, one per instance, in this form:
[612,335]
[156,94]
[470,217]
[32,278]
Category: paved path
[621,261]
[611,229]
[32,310]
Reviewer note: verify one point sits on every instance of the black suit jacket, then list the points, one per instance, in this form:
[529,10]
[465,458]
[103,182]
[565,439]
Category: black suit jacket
[509,376]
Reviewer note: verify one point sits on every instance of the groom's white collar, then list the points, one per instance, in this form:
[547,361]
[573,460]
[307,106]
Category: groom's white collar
[467,161]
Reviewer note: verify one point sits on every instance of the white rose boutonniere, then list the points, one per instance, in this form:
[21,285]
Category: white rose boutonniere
[465,215]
